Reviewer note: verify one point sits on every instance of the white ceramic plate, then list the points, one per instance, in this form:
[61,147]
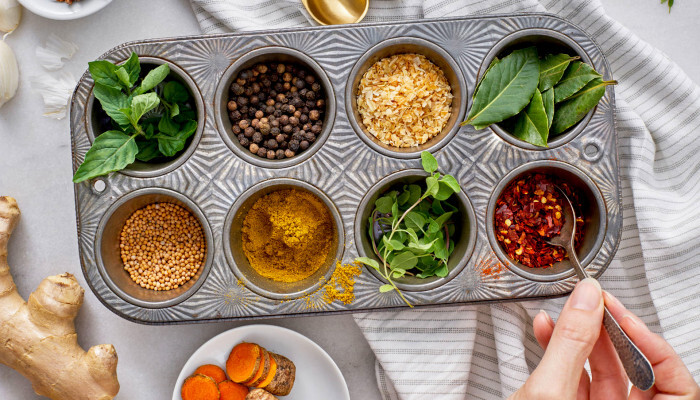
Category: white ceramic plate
[53,9]
[317,376]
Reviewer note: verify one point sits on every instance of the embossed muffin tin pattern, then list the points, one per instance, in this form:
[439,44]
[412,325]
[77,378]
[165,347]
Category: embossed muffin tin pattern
[344,168]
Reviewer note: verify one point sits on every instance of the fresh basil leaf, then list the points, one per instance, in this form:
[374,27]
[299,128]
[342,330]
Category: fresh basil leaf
[154,77]
[404,260]
[429,162]
[432,186]
[577,106]
[437,207]
[433,227]
[443,218]
[414,194]
[174,92]
[171,145]
[442,270]
[142,104]
[383,204]
[174,110]
[451,182]
[552,68]
[123,77]
[439,249]
[548,103]
[369,262]
[398,273]
[385,288]
[112,101]
[414,221]
[149,129]
[577,75]
[392,244]
[394,212]
[412,234]
[104,73]
[506,89]
[532,124]
[168,126]
[133,68]
[148,150]
[185,114]
[111,151]
[421,246]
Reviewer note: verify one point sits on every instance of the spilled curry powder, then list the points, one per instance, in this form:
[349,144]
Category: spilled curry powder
[287,235]
[341,286]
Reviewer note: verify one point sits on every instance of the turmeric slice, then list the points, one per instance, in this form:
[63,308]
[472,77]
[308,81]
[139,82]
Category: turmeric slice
[262,370]
[260,394]
[266,379]
[283,380]
[200,387]
[232,391]
[243,362]
[213,371]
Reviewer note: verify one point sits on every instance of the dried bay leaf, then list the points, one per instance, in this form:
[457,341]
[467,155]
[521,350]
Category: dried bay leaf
[506,89]
[548,102]
[576,76]
[552,68]
[577,106]
[532,125]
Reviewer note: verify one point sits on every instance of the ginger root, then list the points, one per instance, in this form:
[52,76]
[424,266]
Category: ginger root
[38,339]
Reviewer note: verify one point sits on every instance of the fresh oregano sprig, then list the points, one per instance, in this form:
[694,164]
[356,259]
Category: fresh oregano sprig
[149,121]
[411,229]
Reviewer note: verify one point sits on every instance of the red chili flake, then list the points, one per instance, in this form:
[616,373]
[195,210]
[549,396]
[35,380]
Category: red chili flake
[528,213]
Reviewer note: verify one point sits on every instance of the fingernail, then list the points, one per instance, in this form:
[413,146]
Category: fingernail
[586,295]
[547,317]
[631,318]
[610,299]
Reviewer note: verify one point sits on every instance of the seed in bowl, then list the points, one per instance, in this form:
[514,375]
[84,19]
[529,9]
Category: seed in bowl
[404,100]
[276,109]
[162,246]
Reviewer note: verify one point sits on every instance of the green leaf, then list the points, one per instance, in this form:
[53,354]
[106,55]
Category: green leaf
[439,249]
[174,110]
[451,182]
[168,126]
[577,75]
[404,260]
[142,104]
[148,150]
[414,221]
[443,218]
[403,197]
[392,244]
[552,68]
[495,61]
[133,68]
[548,103]
[577,106]
[506,89]
[174,92]
[442,270]
[397,273]
[414,194]
[444,191]
[532,124]
[432,186]
[429,162]
[112,101]
[421,246]
[123,77]
[385,288]
[154,77]
[104,73]
[412,234]
[111,151]
[369,262]
[437,208]
[171,145]
[383,204]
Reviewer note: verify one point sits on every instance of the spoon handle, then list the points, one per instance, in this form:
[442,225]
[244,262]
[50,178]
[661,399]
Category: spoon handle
[636,365]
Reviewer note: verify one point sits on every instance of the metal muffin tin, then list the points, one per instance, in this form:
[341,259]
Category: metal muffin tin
[213,177]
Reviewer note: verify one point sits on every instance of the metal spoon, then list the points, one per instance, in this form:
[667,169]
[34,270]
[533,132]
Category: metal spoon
[335,12]
[636,365]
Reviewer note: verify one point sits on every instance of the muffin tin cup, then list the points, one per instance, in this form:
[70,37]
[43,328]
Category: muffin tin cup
[547,41]
[218,179]
[595,217]
[463,248]
[437,56]
[107,253]
[269,54]
[238,262]
[139,169]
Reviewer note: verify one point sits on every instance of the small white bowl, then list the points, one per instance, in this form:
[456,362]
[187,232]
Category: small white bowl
[53,9]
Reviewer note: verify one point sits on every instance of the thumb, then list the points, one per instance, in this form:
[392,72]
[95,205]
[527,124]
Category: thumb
[574,336]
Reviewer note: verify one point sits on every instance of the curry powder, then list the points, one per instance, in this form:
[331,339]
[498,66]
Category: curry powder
[287,235]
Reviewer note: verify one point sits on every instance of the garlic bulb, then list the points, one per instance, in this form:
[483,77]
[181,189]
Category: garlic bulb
[56,90]
[10,15]
[9,73]
[51,57]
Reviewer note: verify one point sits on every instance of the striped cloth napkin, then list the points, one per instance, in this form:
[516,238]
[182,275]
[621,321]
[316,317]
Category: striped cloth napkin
[487,352]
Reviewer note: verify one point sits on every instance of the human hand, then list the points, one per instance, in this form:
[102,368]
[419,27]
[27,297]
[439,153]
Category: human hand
[578,335]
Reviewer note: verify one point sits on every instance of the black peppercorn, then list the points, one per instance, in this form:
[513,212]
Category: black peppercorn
[236,129]
[237,89]
[262,152]
[293,145]
[242,101]
[310,79]
[320,103]
[249,131]
[244,141]
[253,148]
[310,95]
[264,128]
[257,137]
[304,145]
[231,105]
[269,110]
[275,130]
[256,88]
[287,129]
[245,75]
[294,121]
[284,120]
[270,154]
[289,153]
[254,100]
[287,77]
[316,129]
[244,123]
[248,91]
[304,118]
[316,87]
[299,84]
[271,144]
[279,154]
[280,68]
[309,137]
[314,115]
